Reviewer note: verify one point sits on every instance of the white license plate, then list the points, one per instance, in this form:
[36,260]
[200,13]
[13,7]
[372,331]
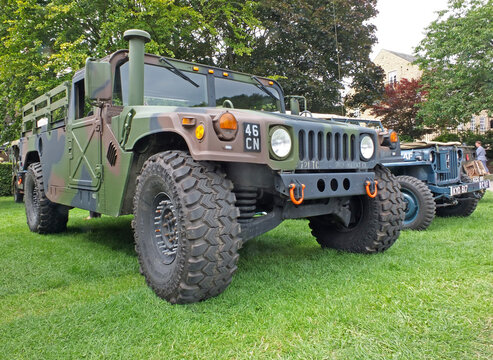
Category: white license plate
[457,190]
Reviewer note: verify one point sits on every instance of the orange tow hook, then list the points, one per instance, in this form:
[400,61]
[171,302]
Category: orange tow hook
[292,187]
[368,191]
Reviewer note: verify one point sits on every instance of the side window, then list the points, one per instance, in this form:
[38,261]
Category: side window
[83,107]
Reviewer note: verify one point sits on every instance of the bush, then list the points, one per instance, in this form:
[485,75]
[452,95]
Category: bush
[447,137]
[470,138]
[5,179]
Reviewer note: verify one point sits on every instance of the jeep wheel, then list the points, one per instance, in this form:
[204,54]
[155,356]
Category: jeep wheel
[375,223]
[466,204]
[185,225]
[43,216]
[420,204]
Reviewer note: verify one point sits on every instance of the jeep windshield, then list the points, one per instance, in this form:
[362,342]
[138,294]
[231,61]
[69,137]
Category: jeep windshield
[164,87]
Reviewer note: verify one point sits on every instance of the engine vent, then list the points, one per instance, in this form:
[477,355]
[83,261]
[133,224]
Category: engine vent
[111,154]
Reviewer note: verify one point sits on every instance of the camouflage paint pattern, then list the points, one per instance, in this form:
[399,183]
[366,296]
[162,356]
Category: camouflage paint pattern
[88,161]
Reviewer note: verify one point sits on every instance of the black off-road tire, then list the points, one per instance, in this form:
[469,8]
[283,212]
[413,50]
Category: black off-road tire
[43,216]
[420,207]
[465,207]
[185,227]
[376,223]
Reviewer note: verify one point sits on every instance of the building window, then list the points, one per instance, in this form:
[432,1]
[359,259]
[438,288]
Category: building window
[482,124]
[472,125]
[392,77]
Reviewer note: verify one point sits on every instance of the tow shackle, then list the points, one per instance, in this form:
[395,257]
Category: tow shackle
[371,188]
[292,188]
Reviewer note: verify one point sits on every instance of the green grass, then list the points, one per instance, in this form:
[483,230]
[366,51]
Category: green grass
[80,295]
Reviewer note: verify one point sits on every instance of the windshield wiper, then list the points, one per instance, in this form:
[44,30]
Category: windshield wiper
[263,88]
[178,72]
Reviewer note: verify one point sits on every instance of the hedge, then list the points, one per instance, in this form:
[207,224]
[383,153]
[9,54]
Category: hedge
[5,179]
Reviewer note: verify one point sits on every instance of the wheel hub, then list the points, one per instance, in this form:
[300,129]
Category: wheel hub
[165,229]
[412,207]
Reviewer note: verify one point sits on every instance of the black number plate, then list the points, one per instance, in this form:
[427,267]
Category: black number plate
[251,134]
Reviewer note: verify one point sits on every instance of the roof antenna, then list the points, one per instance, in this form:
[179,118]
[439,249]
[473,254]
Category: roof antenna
[337,54]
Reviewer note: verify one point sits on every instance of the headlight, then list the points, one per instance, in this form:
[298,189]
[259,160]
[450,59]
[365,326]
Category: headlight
[367,147]
[280,143]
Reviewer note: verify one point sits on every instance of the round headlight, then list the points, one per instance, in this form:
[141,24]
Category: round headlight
[367,147]
[280,143]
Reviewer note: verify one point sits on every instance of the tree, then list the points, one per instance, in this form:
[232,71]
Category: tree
[312,45]
[399,108]
[455,56]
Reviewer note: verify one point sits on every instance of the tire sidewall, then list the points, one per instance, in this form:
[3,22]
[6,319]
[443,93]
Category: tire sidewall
[32,209]
[161,275]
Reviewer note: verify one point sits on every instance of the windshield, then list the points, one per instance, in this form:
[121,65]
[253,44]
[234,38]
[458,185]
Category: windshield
[162,87]
[241,95]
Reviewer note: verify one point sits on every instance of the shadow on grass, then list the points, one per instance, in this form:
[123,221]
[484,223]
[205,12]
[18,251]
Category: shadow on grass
[114,233]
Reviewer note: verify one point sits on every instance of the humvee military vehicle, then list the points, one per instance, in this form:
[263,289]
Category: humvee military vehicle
[433,181]
[205,159]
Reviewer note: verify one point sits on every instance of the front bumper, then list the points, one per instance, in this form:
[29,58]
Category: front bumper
[464,188]
[325,185]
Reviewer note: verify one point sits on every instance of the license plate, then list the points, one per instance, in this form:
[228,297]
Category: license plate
[484,184]
[457,190]
[251,136]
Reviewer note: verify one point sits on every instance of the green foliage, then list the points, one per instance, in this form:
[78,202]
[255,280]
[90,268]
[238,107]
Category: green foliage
[447,137]
[470,138]
[297,43]
[456,58]
[79,295]
[399,109]
[5,179]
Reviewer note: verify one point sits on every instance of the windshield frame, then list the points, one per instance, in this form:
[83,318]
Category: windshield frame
[211,73]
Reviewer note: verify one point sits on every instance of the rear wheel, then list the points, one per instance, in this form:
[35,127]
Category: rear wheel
[420,204]
[375,223]
[186,230]
[43,216]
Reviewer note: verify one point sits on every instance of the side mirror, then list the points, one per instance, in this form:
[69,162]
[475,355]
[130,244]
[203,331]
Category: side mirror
[294,106]
[97,80]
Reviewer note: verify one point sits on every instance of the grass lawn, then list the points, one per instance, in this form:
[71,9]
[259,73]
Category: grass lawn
[80,295]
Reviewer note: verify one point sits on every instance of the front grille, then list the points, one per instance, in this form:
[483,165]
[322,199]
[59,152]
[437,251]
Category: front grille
[331,146]
[448,167]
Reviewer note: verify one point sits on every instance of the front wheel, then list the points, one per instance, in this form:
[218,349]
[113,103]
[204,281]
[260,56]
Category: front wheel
[375,223]
[420,204]
[186,229]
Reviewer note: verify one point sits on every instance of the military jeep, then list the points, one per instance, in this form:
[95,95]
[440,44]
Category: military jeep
[205,159]
[433,181]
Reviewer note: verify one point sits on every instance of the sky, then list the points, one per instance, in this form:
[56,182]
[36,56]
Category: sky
[401,23]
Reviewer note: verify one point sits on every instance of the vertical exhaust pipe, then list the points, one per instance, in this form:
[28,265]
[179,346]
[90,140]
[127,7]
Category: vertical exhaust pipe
[136,47]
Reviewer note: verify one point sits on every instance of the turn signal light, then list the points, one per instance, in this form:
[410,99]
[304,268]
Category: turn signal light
[211,71]
[188,121]
[199,132]
[228,121]
[20,181]
[393,137]
[225,74]
[195,68]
